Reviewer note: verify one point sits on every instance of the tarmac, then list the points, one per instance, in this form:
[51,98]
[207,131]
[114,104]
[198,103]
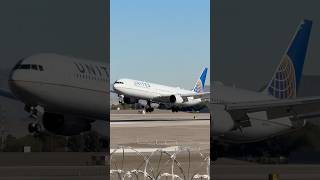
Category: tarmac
[52,165]
[156,141]
[153,139]
[160,128]
[146,133]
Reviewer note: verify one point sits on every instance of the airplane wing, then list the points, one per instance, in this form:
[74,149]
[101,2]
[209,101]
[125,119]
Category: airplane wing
[304,108]
[166,99]
[7,94]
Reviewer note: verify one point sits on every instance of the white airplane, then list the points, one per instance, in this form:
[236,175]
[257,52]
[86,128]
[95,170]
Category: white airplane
[131,91]
[64,94]
[242,116]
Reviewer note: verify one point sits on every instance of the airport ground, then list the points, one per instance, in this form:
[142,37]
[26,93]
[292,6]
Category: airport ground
[53,165]
[162,128]
[146,133]
[166,129]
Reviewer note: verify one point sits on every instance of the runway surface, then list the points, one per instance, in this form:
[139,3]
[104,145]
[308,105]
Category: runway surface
[171,132]
[160,128]
[164,129]
[126,115]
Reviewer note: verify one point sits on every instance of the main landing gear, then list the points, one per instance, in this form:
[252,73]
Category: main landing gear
[148,107]
[174,109]
[35,115]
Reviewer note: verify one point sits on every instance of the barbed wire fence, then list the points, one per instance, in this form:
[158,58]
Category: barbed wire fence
[127,163]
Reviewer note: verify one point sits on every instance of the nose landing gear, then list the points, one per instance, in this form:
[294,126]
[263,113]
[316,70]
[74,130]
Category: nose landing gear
[34,128]
[36,113]
[149,109]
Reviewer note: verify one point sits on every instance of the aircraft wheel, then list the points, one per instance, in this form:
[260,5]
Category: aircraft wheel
[149,109]
[31,127]
[37,128]
[34,127]
[174,109]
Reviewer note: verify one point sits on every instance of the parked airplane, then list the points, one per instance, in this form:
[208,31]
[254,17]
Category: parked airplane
[131,91]
[242,116]
[65,94]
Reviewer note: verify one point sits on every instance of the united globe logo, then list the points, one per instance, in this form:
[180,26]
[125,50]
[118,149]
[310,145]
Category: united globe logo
[198,87]
[283,84]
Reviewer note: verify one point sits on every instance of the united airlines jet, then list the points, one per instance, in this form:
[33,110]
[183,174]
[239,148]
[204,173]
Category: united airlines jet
[131,91]
[64,94]
[242,116]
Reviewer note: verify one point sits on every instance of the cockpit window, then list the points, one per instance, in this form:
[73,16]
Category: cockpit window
[118,82]
[18,64]
[25,66]
[29,66]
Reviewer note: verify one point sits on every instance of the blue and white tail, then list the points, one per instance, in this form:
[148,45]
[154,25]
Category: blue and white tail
[199,86]
[286,79]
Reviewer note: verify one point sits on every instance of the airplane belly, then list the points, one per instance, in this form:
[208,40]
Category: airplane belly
[65,98]
[143,94]
[259,130]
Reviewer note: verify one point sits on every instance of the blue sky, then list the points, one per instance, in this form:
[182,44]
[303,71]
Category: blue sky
[161,41]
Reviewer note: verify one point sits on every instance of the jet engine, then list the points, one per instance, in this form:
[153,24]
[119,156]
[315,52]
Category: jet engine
[221,121]
[177,99]
[129,100]
[59,124]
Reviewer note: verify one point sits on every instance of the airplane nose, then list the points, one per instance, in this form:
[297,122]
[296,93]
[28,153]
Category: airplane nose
[13,81]
[115,86]
[13,84]
[12,75]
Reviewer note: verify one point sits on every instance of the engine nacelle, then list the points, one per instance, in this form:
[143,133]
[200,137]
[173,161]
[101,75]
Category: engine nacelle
[57,124]
[129,100]
[177,99]
[221,121]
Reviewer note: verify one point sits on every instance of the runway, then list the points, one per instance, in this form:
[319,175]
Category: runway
[126,115]
[171,132]
[160,128]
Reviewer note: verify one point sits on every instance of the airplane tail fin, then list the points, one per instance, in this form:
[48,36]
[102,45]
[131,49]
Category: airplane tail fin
[286,79]
[199,86]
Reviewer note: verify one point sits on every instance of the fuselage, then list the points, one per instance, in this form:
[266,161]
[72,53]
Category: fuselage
[62,84]
[262,126]
[150,91]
